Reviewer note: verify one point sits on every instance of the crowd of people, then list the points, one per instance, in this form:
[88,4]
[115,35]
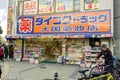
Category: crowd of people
[5,52]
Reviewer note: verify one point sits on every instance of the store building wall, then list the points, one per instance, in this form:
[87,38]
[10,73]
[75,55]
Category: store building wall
[117,27]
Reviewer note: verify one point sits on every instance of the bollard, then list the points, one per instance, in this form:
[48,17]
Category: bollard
[56,76]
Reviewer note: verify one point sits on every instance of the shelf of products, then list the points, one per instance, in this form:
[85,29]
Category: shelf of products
[18,50]
[75,51]
[90,56]
[32,53]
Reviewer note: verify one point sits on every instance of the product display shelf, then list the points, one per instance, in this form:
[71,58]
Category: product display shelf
[32,53]
[18,50]
[90,56]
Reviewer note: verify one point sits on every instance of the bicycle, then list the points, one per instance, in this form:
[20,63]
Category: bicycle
[109,68]
[98,68]
[96,76]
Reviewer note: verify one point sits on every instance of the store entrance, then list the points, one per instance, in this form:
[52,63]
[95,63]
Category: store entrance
[48,48]
[94,42]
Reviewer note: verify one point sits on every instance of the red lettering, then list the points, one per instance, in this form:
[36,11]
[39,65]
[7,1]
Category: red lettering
[61,8]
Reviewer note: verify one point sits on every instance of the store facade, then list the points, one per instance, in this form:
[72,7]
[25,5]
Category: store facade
[75,35]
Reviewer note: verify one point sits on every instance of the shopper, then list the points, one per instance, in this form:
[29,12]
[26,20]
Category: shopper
[11,51]
[63,60]
[6,51]
[1,53]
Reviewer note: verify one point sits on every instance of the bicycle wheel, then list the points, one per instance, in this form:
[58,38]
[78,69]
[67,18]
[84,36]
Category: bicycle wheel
[115,74]
[96,69]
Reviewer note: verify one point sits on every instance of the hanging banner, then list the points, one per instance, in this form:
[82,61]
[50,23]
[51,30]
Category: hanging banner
[30,7]
[9,19]
[8,28]
[9,13]
[64,5]
[99,21]
[91,4]
[46,6]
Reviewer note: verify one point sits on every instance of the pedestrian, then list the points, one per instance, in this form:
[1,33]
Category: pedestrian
[11,51]
[63,60]
[6,51]
[1,53]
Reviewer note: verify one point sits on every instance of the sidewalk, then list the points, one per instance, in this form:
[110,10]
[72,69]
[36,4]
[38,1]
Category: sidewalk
[44,71]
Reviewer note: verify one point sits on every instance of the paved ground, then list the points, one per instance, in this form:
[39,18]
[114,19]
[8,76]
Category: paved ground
[13,70]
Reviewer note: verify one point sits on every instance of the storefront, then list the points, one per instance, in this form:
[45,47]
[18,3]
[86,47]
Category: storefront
[76,36]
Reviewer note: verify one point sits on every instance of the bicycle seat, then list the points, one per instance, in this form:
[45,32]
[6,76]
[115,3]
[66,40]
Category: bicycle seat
[95,74]
[83,71]
[102,64]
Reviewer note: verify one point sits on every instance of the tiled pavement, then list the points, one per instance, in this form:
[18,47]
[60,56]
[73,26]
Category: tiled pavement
[13,70]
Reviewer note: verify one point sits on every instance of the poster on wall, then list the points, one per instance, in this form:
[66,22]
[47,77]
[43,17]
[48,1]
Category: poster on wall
[91,4]
[64,5]
[9,21]
[98,21]
[30,7]
[8,28]
[46,6]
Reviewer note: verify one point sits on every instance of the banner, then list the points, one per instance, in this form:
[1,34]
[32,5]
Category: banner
[9,19]
[9,13]
[46,6]
[91,4]
[86,22]
[30,7]
[64,5]
[8,28]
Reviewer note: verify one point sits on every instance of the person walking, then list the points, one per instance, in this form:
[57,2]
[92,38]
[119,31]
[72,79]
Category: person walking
[6,51]
[1,53]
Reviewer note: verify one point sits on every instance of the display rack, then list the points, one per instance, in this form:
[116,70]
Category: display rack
[90,56]
[18,50]
[76,51]
[32,53]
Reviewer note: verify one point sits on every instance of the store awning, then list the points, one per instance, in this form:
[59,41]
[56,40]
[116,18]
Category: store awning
[62,35]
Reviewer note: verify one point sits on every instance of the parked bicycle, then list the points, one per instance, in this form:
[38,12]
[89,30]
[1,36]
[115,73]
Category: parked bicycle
[110,69]
[96,76]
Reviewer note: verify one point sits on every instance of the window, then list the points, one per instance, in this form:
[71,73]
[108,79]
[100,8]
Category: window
[76,5]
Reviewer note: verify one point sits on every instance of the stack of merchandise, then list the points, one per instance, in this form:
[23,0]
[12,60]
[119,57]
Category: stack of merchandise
[18,50]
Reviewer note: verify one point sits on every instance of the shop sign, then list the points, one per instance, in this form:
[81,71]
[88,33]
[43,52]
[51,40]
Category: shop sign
[46,6]
[9,13]
[91,4]
[30,7]
[64,5]
[98,21]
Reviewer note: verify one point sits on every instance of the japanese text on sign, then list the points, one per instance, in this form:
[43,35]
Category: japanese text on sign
[91,4]
[46,6]
[25,25]
[64,5]
[30,7]
[77,22]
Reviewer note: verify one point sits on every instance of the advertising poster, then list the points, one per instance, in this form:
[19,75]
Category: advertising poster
[46,6]
[91,4]
[9,21]
[64,5]
[8,28]
[30,7]
[99,21]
